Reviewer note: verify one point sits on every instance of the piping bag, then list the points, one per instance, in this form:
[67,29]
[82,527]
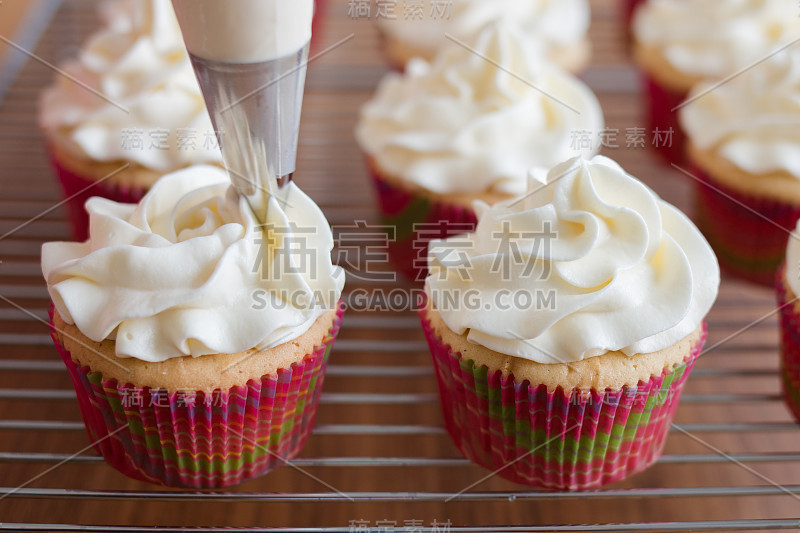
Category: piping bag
[250,60]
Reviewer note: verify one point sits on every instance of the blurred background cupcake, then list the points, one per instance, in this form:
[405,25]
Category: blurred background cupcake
[743,144]
[556,28]
[787,285]
[128,110]
[468,126]
[196,343]
[564,328]
[627,9]
[678,44]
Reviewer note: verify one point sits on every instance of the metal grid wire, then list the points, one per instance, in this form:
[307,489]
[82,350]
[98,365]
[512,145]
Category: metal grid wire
[732,461]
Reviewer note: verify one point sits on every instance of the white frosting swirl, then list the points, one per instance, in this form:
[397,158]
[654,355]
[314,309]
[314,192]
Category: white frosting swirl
[187,271]
[151,110]
[478,119]
[752,120]
[548,25]
[713,38]
[621,270]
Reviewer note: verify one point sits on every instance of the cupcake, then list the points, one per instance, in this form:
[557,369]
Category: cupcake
[128,110]
[468,126]
[788,288]
[556,29]
[564,328]
[678,44]
[196,339]
[743,139]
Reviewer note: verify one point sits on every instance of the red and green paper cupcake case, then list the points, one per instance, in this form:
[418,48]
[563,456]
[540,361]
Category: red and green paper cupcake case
[790,346]
[77,189]
[660,103]
[202,440]
[748,234]
[417,220]
[554,440]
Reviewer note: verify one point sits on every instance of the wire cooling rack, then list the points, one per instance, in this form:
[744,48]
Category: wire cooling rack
[379,459]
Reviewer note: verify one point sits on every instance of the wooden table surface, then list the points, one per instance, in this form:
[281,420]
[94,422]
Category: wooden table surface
[734,455]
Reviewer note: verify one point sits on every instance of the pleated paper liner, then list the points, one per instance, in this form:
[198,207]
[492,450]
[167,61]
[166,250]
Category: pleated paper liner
[789,343]
[660,102]
[202,440]
[554,440]
[416,220]
[748,234]
[77,189]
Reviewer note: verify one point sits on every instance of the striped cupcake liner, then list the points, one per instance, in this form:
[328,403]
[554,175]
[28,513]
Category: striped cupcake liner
[660,103]
[202,440]
[748,234]
[790,345]
[77,189]
[554,440]
[417,220]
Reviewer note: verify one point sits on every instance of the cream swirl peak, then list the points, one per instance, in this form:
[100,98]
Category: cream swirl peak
[189,272]
[587,262]
[713,38]
[475,120]
[548,25]
[753,120]
[151,111]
